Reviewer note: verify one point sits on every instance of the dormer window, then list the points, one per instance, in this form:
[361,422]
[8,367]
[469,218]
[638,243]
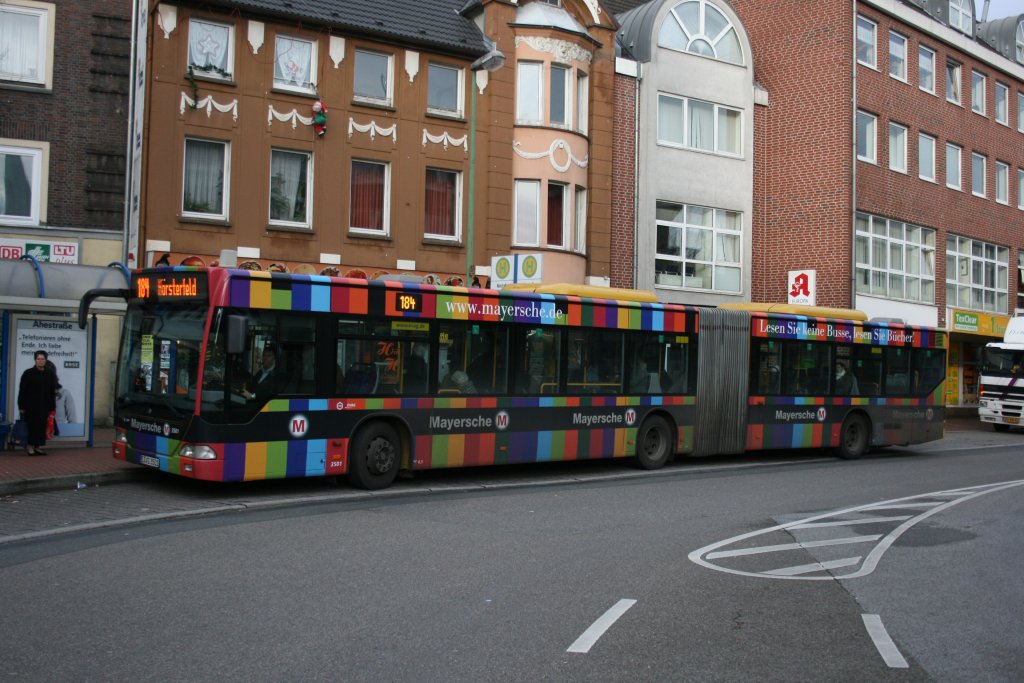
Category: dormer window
[1020,43]
[700,28]
[961,16]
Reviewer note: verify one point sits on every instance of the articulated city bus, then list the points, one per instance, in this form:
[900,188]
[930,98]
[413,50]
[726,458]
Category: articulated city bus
[232,375]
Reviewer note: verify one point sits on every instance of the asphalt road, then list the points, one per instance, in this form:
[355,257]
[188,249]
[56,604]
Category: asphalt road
[903,566]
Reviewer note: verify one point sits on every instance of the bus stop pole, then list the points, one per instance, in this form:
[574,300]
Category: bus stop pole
[92,381]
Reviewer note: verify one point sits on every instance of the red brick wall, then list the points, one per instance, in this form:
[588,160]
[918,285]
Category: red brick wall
[908,197]
[85,118]
[803,145]
[623,182]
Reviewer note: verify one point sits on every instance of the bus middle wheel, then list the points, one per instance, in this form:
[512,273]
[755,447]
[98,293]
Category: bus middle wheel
[854,438]
[653,444]
[374,456]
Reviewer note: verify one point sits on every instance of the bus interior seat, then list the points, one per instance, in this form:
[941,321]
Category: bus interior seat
[361,378]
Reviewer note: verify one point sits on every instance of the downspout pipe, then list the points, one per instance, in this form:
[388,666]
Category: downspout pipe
[853,168]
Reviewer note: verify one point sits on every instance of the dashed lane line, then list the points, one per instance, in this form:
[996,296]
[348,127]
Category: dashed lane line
[598,628]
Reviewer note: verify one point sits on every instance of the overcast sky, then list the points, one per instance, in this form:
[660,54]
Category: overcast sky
[998,9]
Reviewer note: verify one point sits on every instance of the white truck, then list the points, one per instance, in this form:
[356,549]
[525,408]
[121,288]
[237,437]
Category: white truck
[1001,402]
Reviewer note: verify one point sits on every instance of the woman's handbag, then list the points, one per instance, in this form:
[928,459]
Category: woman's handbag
[51,424]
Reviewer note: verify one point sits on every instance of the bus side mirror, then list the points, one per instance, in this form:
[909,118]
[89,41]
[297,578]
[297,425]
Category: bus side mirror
[237,325]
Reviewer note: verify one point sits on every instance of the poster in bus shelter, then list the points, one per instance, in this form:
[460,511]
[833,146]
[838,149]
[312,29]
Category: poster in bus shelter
[66,345]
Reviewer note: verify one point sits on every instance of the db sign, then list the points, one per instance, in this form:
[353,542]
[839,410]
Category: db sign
[802,287]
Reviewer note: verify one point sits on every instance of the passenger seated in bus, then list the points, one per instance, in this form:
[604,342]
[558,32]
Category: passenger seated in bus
[846,383]
[639,378]
[458,382]
[416,370]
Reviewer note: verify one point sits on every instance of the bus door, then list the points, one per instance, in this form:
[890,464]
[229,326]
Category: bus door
[722,382]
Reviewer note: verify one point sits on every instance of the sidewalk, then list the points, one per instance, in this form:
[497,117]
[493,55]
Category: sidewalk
[64,466]
[68,465]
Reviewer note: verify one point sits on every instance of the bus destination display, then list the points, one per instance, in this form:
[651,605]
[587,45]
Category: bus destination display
[169,286]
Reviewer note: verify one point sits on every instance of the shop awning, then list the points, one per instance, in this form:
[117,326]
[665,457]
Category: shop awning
[31,286]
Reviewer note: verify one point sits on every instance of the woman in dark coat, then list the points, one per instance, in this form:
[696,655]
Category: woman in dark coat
[37,398]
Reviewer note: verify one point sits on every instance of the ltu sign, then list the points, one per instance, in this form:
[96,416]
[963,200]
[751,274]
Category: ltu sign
[44,252]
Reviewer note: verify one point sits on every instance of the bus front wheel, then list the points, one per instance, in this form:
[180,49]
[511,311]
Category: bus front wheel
[374,456]
[1001,428]
[854,438]
[653,444]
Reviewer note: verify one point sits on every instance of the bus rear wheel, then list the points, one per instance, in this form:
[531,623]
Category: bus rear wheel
[854,438]
[374,456]
[653,444]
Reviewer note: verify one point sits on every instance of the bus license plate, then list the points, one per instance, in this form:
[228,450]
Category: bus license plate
[1012,420]
[150,461]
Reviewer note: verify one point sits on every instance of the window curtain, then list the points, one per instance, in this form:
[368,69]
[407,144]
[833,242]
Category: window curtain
[204,177]
[16,199]
[367,196]
[527,204]
[288,187]
[556,215]
[292,62]
[208,45]
[702,125]
[19,38]
[439,204]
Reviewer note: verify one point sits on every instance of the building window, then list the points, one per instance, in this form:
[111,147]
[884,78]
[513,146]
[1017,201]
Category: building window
[444,90]
[294,63]
[26,46]
[926,157]
[530,79]
[894,259]
[926,69]
[21,183]
[211,48]
[696,124]
[898,147]
[961,15]
[372,82]
[976,274]
[558,214]
[978,88]
[867,42]
[1002,104]
[953,165]
[559,96]
[897,56]
[953,81]
[580,243]
[700,28]
[442,203]
[977,174]
[1002,182]
[290,188]
[370,197]
[527,213]
[1020,110]
[582,102]
[866,136]
[1020,43]
[698,248]
[1020,191]
[206,179]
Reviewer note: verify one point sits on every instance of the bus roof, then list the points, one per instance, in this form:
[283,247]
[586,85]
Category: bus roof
[797,309]
[586,291]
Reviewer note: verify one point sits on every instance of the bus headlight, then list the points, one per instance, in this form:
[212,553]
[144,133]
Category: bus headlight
[197,452]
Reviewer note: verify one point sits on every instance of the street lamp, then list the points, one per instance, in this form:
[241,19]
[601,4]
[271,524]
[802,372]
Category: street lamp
[492,61]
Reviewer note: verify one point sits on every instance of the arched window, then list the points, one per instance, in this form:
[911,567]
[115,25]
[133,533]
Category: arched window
[700,28]
[961,15]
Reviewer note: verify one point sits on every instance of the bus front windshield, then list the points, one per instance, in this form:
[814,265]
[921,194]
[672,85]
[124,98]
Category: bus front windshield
[1003,362]
[160,360]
